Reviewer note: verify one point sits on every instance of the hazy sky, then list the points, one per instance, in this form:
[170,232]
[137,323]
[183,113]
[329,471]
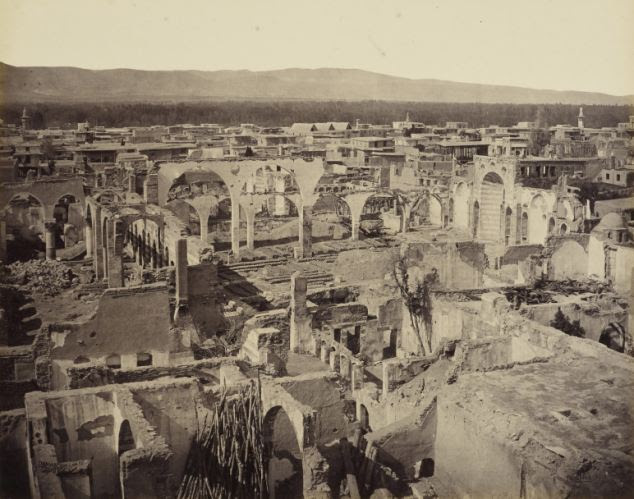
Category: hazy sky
[557,44]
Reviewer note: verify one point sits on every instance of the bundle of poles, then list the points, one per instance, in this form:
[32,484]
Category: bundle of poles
[226,459]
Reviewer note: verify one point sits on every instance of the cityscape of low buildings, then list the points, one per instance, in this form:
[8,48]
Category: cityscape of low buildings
[325,309]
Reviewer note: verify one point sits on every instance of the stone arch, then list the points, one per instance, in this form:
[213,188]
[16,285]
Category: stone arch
[461,206]
[537,223]
[109,193]
[491,199]
[332,212]
[284,453]
[563,229]
[435,211]
[551,225]
[613,337]
[24,194]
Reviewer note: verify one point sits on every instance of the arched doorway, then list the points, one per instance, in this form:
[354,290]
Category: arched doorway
[283,454]
[613,337]
[435,211]
[491,198]
[551,225]
[126,439]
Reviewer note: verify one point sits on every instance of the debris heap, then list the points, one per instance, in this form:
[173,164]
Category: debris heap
[48,277]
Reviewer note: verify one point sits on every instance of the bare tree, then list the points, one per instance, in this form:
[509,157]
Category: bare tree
[417,298]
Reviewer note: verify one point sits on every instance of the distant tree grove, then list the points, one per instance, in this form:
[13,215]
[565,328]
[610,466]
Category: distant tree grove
[283,113]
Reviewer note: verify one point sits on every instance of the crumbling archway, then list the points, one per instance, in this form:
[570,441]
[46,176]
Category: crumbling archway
[435,211]
[283,453]
[613,337]
[24,215]
[537,224]
[491,198]
[331,216]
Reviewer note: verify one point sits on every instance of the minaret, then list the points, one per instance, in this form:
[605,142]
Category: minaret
[580,119]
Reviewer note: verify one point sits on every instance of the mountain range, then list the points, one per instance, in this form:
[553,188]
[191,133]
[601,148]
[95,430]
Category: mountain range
[69,84]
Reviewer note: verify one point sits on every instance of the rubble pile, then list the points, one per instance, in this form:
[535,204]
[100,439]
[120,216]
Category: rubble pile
[48,277]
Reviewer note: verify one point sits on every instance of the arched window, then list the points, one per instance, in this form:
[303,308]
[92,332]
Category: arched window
[143,359]
[113,361]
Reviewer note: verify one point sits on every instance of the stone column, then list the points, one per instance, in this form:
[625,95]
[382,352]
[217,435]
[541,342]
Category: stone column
[356,376]
[204,229]
[235,227]
[305,232]
[88,238]
[301,321]
[106,246]
[49,239]
[115,254]
[324,354]
[355,228]
[182,291]
[250,229]
[406,212]
[132,183]
[97,248]
[150,189]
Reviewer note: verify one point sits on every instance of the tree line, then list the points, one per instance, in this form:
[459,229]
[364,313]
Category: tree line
[284,113]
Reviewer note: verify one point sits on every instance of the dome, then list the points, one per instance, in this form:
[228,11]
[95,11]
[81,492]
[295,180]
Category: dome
[611,221]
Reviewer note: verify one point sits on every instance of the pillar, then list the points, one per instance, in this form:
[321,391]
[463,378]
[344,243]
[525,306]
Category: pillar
[301,321]
[355,228]
[88,238]
[182,291]
[324,354]
[235,227]
[97,248]
[132,182]
[150,189]
[204,229]
[406,212]
[334,360]
[305,232]
[356,376]
[49,239]
[115,254]
[250,229]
